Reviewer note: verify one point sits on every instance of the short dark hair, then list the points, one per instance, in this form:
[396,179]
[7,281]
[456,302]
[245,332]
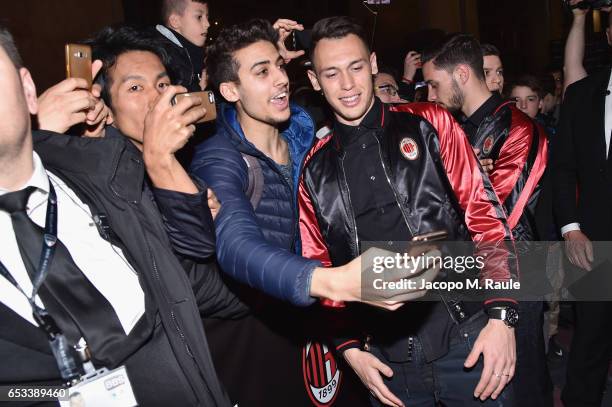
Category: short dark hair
[8,44]
[389,71]
[335,28]
[111,42]
[548,84]
[454,50]
[531,82]
[490,49]
[176,6]
[221,64]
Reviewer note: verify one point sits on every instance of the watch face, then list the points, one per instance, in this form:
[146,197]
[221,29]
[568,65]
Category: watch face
[512,316]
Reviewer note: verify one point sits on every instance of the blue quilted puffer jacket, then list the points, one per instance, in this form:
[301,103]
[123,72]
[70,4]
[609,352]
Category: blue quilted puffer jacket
[257,247]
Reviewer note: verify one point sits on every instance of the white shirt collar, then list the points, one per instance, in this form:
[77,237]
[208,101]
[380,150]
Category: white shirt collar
[39,178]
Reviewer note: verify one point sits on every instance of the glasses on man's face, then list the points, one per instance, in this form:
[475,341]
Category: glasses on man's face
[388,89]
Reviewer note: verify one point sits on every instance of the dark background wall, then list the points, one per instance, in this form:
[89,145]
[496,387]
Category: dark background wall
[529,33]
[42,27]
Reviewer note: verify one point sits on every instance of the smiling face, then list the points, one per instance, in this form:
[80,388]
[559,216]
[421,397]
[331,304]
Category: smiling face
[137,79]
[343,71]
[527,100]
[262,91]
[192,23]
[494,73]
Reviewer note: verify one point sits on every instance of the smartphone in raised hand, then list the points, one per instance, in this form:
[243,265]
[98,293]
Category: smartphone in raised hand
[78,62]
[208,101]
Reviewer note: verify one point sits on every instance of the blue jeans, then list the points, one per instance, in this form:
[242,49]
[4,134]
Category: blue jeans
[421,384]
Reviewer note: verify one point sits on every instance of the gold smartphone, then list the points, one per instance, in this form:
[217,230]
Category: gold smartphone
[432,236]
[208,101]
[78,62]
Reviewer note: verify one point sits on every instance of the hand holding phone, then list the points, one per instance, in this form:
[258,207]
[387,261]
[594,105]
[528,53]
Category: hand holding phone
[208,102]
[78,62]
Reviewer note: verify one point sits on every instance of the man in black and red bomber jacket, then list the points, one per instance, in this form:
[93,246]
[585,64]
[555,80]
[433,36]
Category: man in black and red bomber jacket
[516,148]
[389,173]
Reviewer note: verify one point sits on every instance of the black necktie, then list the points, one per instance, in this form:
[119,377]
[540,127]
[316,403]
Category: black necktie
[29,235]
[78,308]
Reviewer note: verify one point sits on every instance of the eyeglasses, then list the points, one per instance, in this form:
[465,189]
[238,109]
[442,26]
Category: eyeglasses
[388,89]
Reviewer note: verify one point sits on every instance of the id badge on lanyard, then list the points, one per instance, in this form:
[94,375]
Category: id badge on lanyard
[94,388]
[102,388]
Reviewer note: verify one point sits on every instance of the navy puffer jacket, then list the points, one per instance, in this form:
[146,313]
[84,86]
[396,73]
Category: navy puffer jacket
[257,247]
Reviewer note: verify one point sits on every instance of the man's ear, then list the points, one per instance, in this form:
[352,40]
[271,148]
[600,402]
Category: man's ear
[29,90]
[314,81]
[229,91]
[462,73]
[174,21]
[373,63]
[110,119]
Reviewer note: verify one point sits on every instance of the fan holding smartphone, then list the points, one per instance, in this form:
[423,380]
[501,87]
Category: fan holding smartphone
[74,100]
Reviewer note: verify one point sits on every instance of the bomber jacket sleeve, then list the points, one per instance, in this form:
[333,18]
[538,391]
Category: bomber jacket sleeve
[242,250]
[484,214]
[188,222]
[514,158]
[345,326]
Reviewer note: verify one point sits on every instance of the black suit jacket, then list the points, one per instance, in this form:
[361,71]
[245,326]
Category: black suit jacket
[581,175]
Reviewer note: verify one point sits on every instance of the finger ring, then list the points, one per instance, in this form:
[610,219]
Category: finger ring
[498,375]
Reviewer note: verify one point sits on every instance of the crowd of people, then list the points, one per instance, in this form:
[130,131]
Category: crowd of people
[171,262]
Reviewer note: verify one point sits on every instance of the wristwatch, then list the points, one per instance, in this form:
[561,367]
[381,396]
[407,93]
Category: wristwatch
[509,315]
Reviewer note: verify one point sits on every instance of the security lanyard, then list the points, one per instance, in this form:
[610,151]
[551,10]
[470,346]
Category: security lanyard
[63,353]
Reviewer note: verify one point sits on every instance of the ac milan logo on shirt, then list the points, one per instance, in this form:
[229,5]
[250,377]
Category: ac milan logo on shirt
[409,149]
[487,145]
[321,374]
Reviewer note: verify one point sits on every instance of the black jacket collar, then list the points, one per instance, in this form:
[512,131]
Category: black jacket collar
[486,109]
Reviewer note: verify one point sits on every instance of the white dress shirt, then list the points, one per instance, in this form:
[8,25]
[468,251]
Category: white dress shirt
[608,129]
[104,265]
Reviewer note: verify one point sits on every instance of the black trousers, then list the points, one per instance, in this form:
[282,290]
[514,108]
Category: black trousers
[589,356]
[531,383]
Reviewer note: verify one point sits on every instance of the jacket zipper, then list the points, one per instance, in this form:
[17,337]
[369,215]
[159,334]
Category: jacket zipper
[176,325]
[352,214]
[382,161]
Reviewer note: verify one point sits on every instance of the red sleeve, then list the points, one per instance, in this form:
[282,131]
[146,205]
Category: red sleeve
[512,156]
[313,245]
[484,214]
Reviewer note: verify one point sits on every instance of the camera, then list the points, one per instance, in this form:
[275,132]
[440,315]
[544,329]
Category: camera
[593,4]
